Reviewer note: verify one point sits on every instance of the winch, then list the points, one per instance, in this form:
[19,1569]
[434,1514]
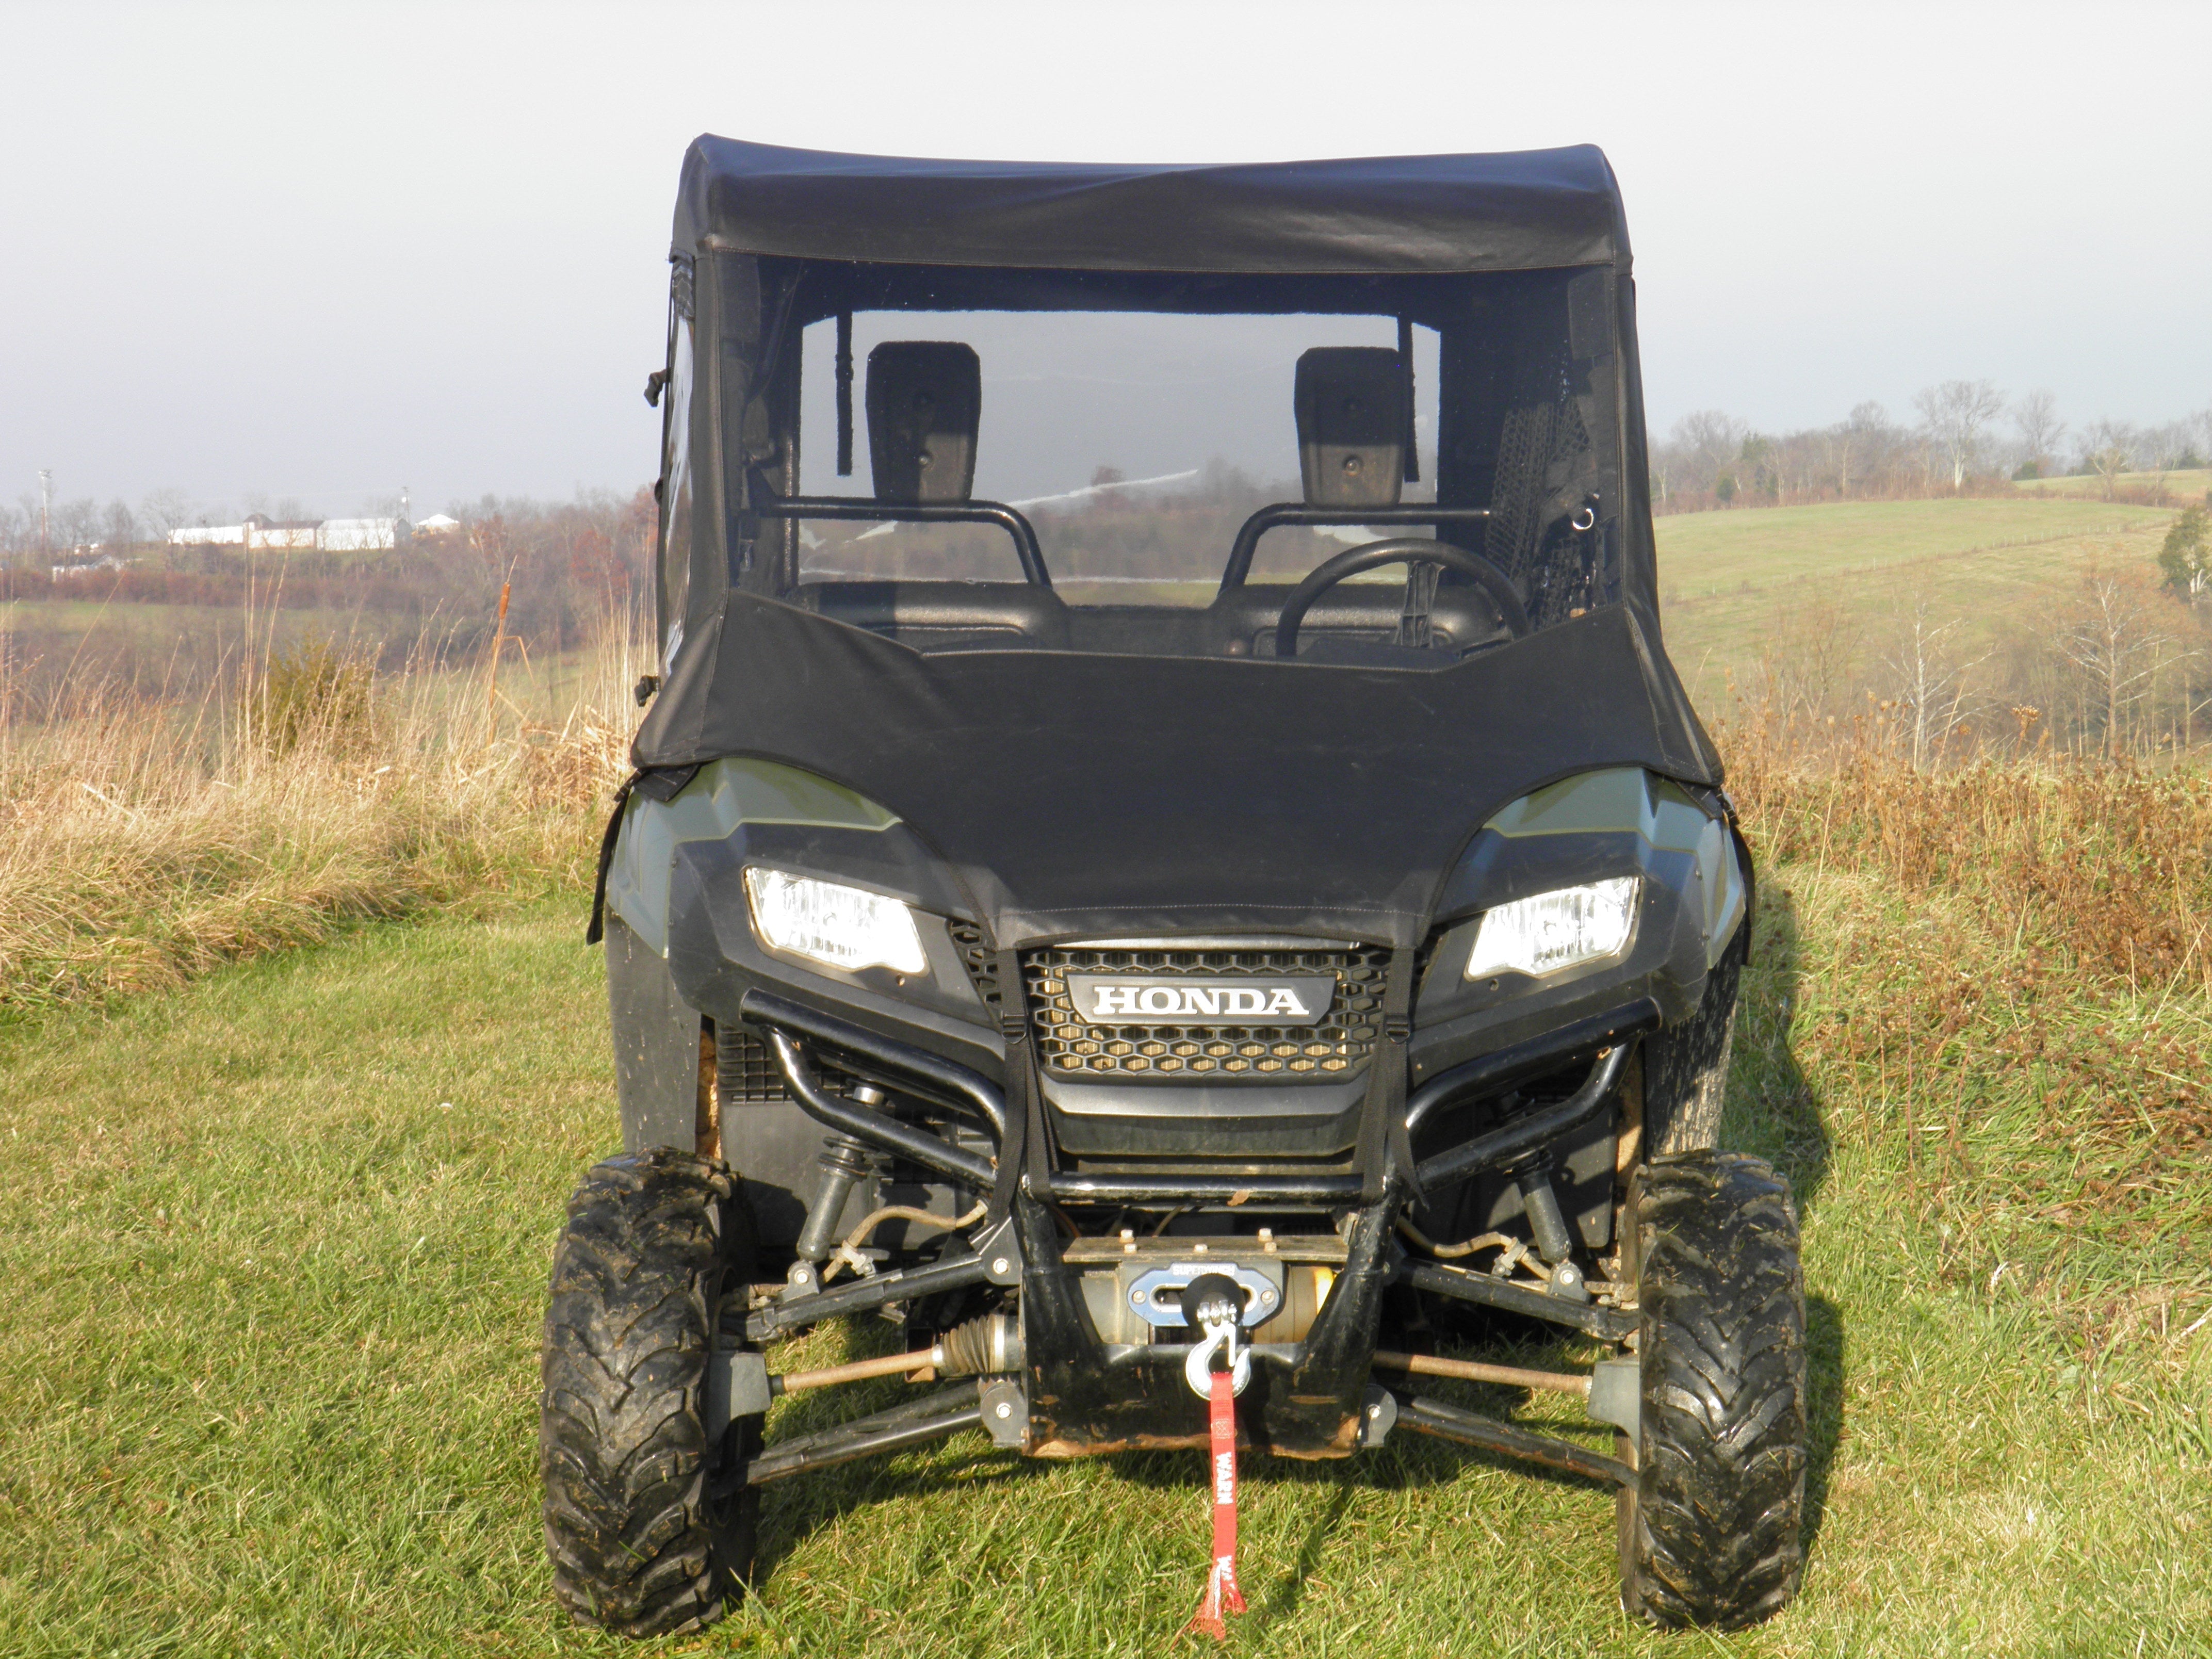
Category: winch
[1132,1288]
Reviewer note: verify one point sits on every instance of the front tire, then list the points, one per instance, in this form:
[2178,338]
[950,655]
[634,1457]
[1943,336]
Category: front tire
[1711,1533]
[648,1522]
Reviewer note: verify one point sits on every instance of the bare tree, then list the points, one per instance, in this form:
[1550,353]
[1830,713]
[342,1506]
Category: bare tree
[1842,445]
[1930,679]
[75,523]
[163,511]
[1956,413]
[2163,447]
[2109,446]
[1807,660]
[118,527]
[2113,639]
[1712,439]
[2035,417]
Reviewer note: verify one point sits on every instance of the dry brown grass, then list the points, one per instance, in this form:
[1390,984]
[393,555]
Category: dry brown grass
[2102,862]
[1995,980]
[143,843]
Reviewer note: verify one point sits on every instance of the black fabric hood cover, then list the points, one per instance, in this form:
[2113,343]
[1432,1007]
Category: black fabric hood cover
[1524,211]
[1093,796]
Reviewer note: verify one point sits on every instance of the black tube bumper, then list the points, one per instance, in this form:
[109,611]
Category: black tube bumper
[1305,1400]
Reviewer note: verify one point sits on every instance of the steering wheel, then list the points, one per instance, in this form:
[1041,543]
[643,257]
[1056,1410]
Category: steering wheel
[1408,550]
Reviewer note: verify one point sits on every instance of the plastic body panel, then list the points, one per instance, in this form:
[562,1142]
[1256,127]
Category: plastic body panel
[677,879]
[656,1036]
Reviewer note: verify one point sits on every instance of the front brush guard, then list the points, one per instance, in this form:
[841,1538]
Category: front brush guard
[1306,1400]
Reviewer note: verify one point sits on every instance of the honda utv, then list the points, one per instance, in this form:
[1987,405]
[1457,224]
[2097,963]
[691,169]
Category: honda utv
[1203,867]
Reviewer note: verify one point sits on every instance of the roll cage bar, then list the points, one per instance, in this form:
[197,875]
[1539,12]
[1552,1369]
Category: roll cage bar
[868,510]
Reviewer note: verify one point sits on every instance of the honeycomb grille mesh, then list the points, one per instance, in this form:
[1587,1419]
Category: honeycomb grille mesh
[1071,1046]
[977,957]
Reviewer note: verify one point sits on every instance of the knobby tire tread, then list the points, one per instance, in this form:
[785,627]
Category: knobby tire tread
[1711,1534]
[646,1526]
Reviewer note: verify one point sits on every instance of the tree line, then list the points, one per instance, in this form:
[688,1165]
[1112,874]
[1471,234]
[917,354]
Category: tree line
[1967,436]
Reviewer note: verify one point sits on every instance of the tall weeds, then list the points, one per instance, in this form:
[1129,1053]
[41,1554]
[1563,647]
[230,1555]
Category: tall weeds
[141,842]
[2104,862]
[1994,982]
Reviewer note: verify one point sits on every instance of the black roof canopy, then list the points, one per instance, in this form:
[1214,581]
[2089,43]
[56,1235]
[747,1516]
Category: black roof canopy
[1521,210]
[1110,793]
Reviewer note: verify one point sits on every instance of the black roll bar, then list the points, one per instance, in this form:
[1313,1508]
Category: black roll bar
[917,1145]
[766,1009]
[865,509]
[1525,1134]
[1488,1074]
[1297,512]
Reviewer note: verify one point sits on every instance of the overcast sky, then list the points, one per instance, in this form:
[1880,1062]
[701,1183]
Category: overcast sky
[322,252]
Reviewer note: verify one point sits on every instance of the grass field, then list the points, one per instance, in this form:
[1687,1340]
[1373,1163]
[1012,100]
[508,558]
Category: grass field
[305,1053]
[1728,580]
[2187,483]
[274,1254]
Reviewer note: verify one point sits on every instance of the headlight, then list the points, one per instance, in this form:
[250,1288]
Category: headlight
[1547,931]
[847,927]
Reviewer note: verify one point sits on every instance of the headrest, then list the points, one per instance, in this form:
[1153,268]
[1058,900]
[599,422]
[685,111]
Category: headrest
[1352,425]
[925,400]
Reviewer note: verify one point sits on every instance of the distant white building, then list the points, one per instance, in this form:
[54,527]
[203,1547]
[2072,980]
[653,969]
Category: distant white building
[360,535]
[261,534]
[206,535]
[267,535]
[438,524]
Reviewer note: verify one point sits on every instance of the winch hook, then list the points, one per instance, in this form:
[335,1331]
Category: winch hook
[1214,1304]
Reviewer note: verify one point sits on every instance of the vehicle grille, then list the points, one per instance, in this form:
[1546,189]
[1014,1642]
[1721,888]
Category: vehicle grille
[979,960]
[1072,1046]
[744,1067]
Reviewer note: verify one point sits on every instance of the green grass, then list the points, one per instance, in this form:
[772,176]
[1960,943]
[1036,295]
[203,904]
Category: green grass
[1727,579]
[149,626]
[273,1254]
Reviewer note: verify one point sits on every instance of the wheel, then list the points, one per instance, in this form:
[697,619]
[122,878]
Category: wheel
[1685,1069]
[1709,1532]
[648,1526]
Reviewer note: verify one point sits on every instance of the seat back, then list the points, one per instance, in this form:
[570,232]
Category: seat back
[925,404]
[1352,425]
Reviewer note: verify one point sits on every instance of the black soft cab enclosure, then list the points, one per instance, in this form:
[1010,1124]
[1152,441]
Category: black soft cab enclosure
[1165,844]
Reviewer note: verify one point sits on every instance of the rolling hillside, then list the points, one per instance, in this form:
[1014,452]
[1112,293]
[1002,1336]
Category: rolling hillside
[1727,579]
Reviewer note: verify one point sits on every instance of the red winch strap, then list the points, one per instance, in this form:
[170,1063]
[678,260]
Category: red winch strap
[1222,1596]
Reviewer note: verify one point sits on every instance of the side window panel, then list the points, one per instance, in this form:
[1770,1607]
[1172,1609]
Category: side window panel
[673,586]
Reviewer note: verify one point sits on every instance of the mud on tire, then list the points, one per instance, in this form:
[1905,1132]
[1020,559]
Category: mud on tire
[648,1526]
[1709,1533]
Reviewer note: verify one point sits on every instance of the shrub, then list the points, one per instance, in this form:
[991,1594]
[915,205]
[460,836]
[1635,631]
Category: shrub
[316,693]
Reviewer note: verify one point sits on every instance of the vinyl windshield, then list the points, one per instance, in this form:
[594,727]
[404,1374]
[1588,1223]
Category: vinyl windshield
[1139,423]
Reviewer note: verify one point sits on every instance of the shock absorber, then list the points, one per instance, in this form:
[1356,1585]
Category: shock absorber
[1549,1226]
[846,1162]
